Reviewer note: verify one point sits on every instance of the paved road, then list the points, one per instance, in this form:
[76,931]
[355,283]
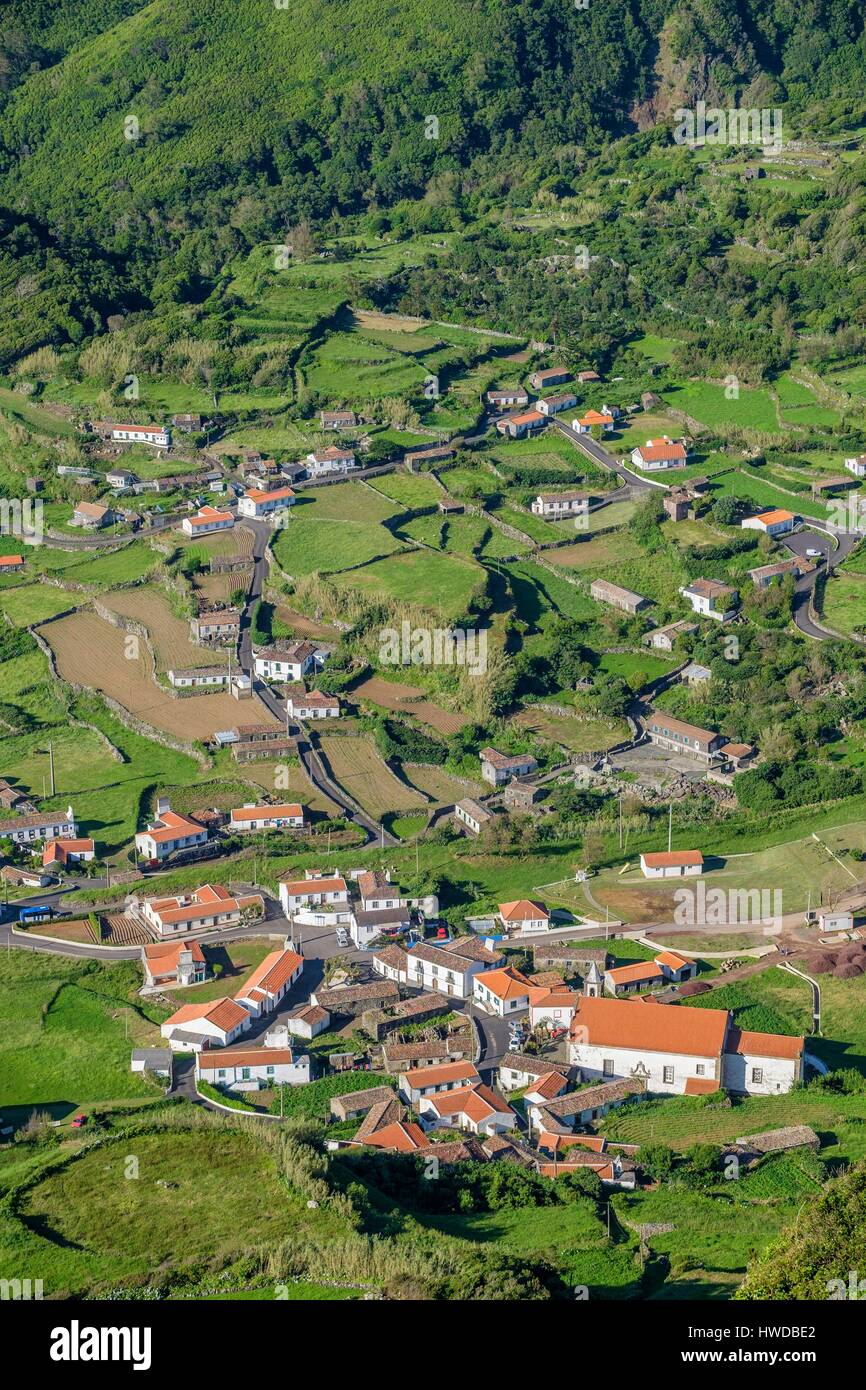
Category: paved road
[600,455]
[309,757]
[835,545]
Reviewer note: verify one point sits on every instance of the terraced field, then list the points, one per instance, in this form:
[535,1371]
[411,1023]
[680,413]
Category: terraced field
[356,765]
[170,635]
[439,784]
[442,583]
[408,699]
[92,653]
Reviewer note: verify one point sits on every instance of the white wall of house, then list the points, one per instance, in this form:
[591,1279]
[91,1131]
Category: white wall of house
[257,1075]
[442,977]
[666,1072]
[759,1076]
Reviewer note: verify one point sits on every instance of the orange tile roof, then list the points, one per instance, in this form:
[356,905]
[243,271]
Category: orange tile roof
[57,850]
[701,1085]
[775,514]
[673,859]
[651,1027]
[527,418]
[403,1136]
[764,1045]
[273,495]
[476,1102]
[11,560]
[505,983]
[166,954]
[419,1077]
[243,813]
[274,971]
[225,1013]
[245,1057]
[652,453]
[297,886]
[522,909]
[549,1086]
[641,970]
[171,826]
[673,960]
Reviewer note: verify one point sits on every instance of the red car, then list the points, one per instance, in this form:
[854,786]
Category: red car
[79,1121]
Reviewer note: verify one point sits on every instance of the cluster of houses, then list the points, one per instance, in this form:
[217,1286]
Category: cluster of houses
[171,832]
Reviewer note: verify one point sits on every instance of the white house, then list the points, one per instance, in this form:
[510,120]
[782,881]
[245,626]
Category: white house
[220,625]
[679,1051]
[583,424]
[270,981]
[552,405]
[315,705]
[392,963]
[168,833]
[518,426]
[472,814]
[313,891]
[158,436]
[497,767]
[207,519]
[517,1070]
[330,460]
[475,1108]
[657,454]
[440,969]
[428,1081]
[552,1008]
[502,992]
[524,916]
[42,825]
[289,816]
[212,905]
[257,503]
[194,1027]
[253,1068]
[289,663]
[365,926]
[560,504]
[675,863]
[508,395]
[68,852]
[711,598]
[776,522]
[307,1021]
[857,466]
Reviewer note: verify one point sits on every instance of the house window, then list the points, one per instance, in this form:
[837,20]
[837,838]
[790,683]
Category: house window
[668,1076]
[221,1074]
[607,1066]
[269,1070]
[700,1069]
[245,1073]
[757,1076]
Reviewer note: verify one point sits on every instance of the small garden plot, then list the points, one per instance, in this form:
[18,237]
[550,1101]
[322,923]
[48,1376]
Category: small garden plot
[33,603]
[753,409]
[315,544]
[286,781]
[578,735]
[597,553]
[169,635]
[851,379]
[443,584]
[356,766]
[410,489]
[844,606]
[439,785]
[526,522]
[655,348]
[237,541]
[408,699]
[463,535]
[637,669]
[351,368]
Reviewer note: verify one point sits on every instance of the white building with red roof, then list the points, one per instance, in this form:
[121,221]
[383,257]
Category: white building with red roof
[212,905]
[169,833]
[672,863]
[68,851]
[659,454]
[259,503]
[502,992]
[207,519]
[173,963]
[525,916]
[289,816]
[313,891]
[476,1108]
[677,1050]
[253,1068]
[270,981]
[215,1023]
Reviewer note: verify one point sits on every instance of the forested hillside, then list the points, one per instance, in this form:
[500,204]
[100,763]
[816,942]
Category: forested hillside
[144,147]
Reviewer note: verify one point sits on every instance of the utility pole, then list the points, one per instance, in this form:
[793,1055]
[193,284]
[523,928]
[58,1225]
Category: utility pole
[620,820]
[51,765]
[670,824]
